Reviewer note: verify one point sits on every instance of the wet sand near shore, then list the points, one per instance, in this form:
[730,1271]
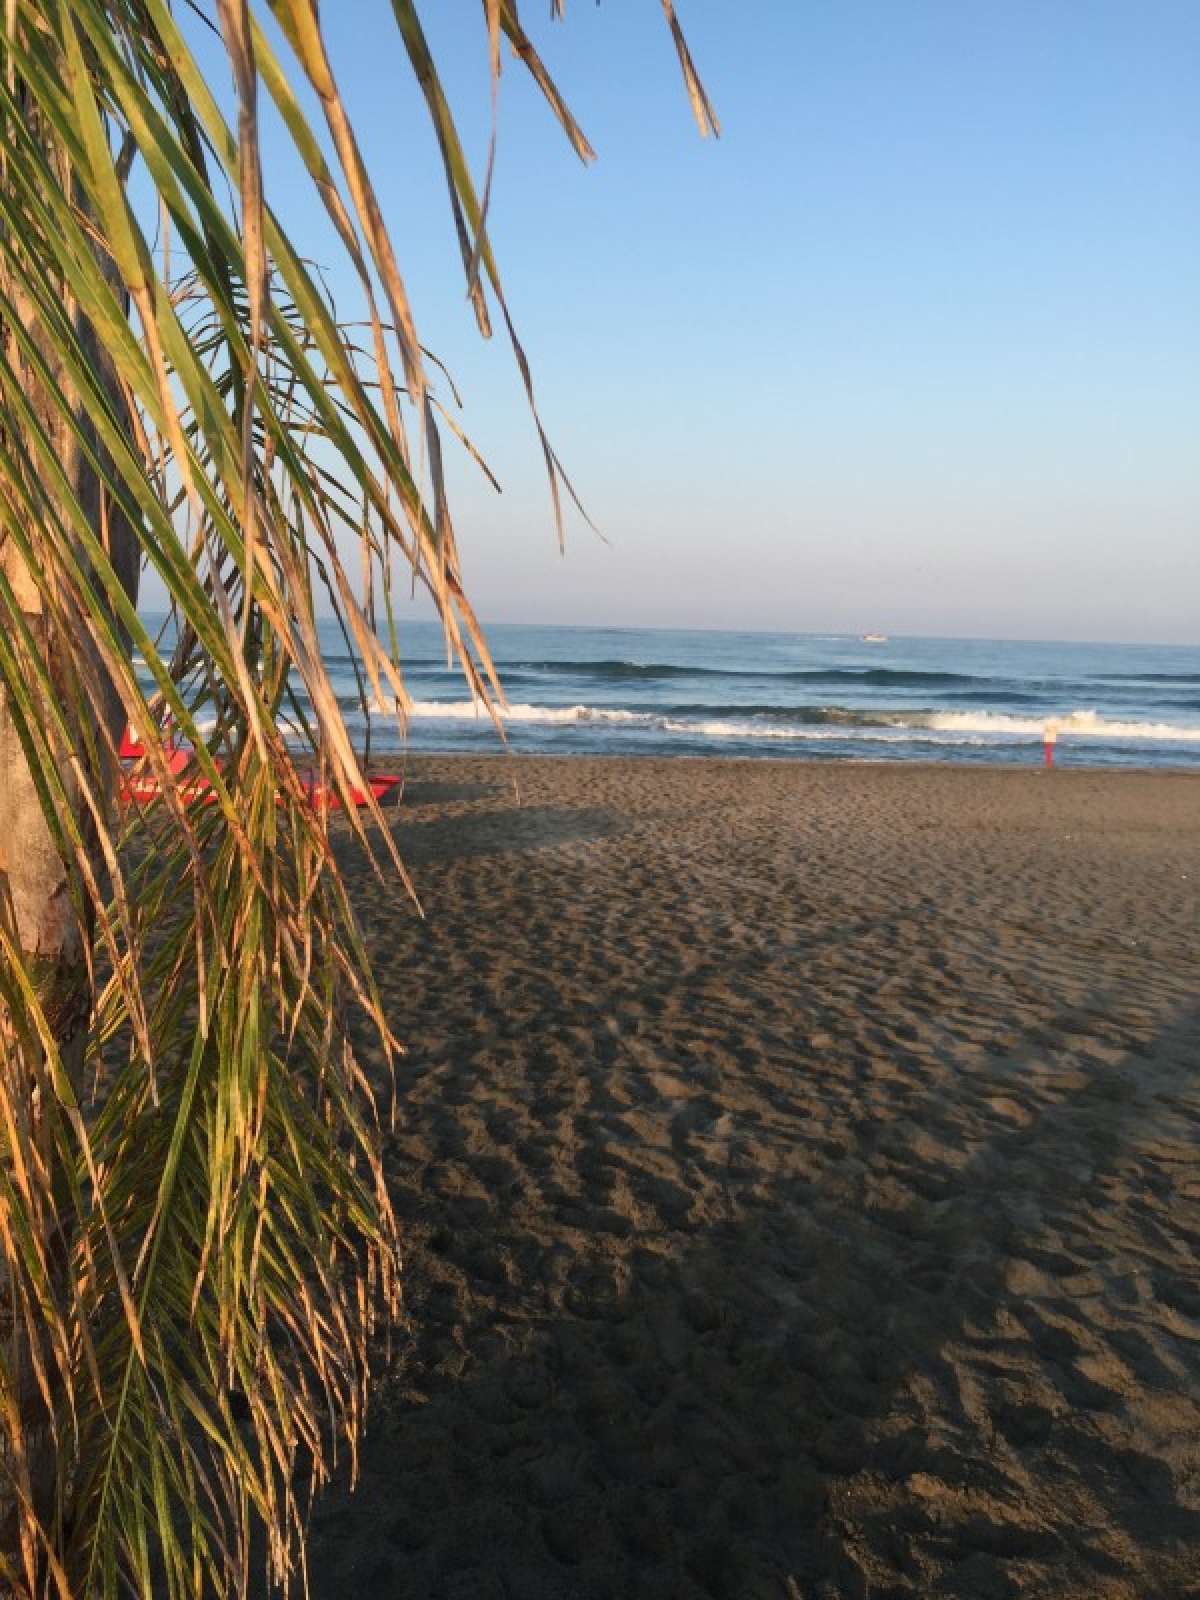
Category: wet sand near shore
[798,1171]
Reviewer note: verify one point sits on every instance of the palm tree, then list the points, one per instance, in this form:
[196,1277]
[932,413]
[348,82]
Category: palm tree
[195,1237]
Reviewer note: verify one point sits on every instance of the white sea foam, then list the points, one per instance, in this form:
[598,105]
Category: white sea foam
[968,727]
[1080,724]
[793,732]
[475,710]
[974,727]
[723,729]
[447,710]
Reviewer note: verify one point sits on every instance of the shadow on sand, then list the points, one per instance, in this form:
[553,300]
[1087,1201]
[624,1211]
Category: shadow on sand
[645,1357]
[801,1207]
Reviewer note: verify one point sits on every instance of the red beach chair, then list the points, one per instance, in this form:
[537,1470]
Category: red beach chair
[143,784]
[380,784]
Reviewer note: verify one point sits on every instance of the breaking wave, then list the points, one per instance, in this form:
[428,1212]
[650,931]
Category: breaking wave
[780,723]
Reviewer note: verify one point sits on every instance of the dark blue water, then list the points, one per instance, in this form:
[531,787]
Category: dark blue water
[641,691]
[663,692]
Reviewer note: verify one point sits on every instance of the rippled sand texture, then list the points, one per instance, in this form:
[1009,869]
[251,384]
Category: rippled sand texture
[800,1178]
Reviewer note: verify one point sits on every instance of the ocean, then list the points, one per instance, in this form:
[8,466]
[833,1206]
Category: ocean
[637,691]
[622,691]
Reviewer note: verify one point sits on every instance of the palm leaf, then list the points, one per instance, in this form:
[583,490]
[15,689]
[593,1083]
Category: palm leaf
[196,1243]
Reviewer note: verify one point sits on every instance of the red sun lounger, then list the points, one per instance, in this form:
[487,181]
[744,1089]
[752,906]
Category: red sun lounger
[140,783]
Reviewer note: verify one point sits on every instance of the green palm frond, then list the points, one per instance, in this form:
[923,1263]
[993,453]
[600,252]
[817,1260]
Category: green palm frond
[196,1243]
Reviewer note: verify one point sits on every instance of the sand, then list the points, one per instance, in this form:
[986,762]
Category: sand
[799,1175]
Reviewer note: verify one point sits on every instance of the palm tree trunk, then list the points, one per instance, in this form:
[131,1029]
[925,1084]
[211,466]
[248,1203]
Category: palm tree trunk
[47,920]
[48,933]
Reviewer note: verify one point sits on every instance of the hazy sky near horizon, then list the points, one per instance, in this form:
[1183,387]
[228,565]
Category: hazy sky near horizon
[914,347]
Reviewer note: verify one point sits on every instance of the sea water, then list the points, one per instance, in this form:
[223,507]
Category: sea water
[625,691]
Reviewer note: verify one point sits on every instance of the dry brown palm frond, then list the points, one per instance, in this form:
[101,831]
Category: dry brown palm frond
[196,1242]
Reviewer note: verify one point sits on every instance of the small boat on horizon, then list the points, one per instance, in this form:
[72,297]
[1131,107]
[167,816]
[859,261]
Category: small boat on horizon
[874,638]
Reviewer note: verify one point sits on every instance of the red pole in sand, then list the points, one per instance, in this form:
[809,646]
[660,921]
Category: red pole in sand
[1049,734]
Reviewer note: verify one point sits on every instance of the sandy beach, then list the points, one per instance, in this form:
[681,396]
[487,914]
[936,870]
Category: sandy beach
[798,1168]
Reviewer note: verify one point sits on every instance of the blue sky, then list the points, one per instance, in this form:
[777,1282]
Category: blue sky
[914,347]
